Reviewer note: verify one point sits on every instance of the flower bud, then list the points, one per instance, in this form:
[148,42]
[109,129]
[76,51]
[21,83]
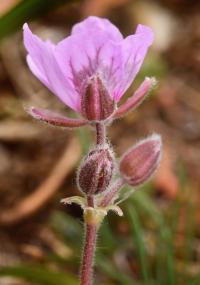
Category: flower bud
[96,103]
[140,162]
[96,171]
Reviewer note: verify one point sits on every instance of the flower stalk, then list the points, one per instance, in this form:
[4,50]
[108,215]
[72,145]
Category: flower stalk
[100,133]
[88,254]
[113,192]
[88,249]
[91,229]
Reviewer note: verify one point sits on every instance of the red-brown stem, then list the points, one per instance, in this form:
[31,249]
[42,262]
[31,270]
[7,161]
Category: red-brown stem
[89,250]
[90,201]
[88,255]
[86,273]
[112,192]
[100,133]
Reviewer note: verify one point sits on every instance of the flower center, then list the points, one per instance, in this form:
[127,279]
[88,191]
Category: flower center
[96,103]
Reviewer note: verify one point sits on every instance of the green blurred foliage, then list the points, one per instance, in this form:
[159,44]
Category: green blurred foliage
[25,11]
[151,241]
[38,274]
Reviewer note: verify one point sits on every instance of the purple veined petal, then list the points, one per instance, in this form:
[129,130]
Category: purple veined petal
[134,49]
[55,119]
[42,62]
[96,24]
[38,72]
[84,55]
[146,32]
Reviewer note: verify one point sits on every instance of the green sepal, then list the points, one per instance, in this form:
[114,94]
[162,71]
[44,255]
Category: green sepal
[81,201]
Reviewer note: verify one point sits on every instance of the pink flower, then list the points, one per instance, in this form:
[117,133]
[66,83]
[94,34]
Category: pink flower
[93,65]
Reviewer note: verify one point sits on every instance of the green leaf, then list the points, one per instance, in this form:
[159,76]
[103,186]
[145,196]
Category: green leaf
[25,11]
[38,274]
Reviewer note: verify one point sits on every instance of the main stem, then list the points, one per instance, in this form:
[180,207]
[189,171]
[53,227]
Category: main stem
[89,249]
[88,254]
[91,230]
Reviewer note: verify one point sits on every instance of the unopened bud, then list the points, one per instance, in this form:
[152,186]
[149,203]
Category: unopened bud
[140,162]
[96,171]
[96,103]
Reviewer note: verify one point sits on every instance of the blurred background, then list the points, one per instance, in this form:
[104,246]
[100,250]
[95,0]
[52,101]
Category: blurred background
[157,242]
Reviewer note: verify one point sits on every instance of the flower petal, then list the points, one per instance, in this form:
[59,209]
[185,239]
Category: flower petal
[134,49]
[38,72]
[87,54]
[95,49]
[96,24]
[42,63]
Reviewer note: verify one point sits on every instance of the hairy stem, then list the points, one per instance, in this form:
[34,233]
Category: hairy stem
[89,250]
[100,133]
[88,255]
[86,273]
[112,192]
[90,201]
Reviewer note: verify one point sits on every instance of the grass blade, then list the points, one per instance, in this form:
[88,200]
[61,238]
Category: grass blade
[137,236]
[25,11]
[38,274]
